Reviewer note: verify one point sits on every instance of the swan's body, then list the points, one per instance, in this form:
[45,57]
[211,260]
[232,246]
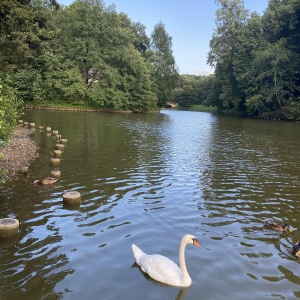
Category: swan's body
[162,268]
[276,226]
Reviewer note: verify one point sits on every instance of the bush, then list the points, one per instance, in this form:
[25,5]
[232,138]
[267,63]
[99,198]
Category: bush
[9,110]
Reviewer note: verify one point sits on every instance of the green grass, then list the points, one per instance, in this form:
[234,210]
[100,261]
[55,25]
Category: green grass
[58,104]
[203,108]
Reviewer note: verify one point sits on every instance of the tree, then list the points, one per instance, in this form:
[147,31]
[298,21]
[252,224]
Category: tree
[24,44]
[24,31]
[83,53]
[165,70]
[191,90]
[273,81]
[231,20]
[257,59]
[281,24]
[140,40]
[252,39]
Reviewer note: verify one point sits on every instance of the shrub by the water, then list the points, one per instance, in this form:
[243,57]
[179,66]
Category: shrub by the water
[8,110]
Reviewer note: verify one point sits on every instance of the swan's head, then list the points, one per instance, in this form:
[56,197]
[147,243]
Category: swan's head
[190,239]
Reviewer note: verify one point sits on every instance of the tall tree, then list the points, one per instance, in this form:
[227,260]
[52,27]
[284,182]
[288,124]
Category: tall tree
[273,86]
[165,70]
[231,18]
[273,78]
[251,40]
[281,21]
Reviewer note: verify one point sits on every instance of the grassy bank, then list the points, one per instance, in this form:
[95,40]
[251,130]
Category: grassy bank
[202,108]
[76,107]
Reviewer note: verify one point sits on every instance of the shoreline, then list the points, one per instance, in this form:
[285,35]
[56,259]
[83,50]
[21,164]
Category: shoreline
[84,109]
[20,151]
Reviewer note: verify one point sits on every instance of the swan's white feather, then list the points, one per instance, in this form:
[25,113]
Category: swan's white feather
[158,267]
[161,269]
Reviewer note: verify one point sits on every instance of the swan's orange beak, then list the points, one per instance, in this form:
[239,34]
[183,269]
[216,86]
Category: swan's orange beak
[196,243]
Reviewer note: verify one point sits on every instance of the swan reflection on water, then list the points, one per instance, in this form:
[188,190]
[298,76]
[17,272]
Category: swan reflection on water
[181,293]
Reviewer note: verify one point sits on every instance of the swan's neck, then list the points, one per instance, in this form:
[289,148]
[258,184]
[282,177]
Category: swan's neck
[185,275]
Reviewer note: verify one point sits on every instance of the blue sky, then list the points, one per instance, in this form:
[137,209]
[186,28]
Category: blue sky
[190,23]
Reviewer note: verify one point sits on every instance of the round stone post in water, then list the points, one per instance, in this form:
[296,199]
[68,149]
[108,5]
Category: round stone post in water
[72,197]
[57,153]
[55,161]
[59,147]
[55,174]
[8,227]
[63,141]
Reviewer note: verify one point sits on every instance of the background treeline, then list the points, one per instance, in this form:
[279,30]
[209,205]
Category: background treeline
[88,54]
[256,60]
[83,54]
[195,90]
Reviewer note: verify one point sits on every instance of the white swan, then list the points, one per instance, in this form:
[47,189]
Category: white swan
[162,268]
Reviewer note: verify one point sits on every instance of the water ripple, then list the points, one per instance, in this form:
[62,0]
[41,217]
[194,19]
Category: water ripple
[148,179]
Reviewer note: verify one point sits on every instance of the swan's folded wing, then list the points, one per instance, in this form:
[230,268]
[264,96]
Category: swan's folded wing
[161,269]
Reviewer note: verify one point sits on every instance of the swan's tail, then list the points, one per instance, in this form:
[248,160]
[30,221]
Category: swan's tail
[137,252]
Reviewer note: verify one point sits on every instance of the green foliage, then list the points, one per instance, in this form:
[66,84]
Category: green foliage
[256,62]
[273,76]
[257,59]
[2,172]
[106,53]
[226,41]
[8,110]
[292,110]
[255,105]
[89,54]
[192,90]
[82,53]
[165,70]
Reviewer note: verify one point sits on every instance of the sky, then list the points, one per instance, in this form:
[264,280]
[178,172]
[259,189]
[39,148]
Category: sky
[190,23]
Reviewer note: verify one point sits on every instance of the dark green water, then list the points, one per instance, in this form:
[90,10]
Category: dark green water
[150,179]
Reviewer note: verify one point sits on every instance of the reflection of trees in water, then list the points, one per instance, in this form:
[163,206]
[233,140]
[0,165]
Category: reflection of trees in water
[250,172]
[32,263]
[30,272]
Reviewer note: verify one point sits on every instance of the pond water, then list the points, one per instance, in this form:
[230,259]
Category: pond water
[149,179]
